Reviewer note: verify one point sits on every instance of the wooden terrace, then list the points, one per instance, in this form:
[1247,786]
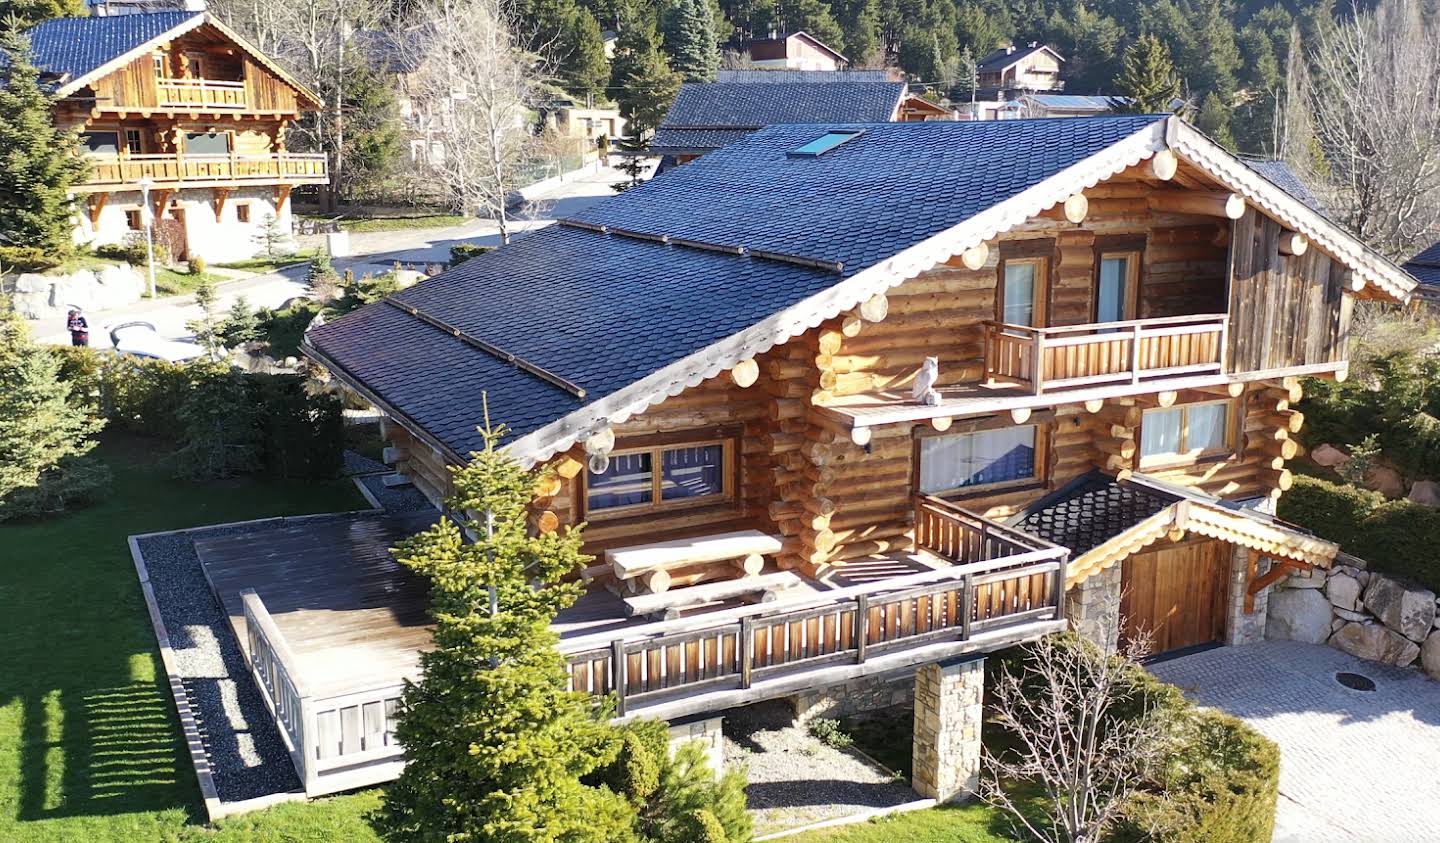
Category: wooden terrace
[124,171]
[332,627]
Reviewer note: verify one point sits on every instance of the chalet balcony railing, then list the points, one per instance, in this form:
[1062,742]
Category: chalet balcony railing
[731,650]
[200,93]
[177,169]
[1133,351]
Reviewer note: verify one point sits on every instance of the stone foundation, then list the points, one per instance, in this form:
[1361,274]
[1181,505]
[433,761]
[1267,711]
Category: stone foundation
[706,730]
[868,693]
[1093,608]
[948,716]
[1243,627]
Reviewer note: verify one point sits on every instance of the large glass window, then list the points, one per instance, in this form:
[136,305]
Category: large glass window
[1190,431]
[207,143]
[100,142]
[687,474]
[984,458]
[1112,288]
[1022,284]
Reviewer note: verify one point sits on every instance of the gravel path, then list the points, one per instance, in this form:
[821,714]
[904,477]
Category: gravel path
[398,499]
[795,779]
[247,757]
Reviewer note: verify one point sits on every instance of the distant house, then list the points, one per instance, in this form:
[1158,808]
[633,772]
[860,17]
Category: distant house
[176,103]
[1006,75]
[796,51]
[1425,266]
[709,115]
[1055,105]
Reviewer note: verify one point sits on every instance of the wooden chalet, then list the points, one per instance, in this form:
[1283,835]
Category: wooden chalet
[177,102]
[849,405]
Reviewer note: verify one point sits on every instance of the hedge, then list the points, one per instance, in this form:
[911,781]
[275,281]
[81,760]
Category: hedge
[1221,778]
[1396,537]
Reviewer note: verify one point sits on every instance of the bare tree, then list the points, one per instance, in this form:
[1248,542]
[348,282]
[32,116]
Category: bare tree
[471,66]
[1375,96]
[1061,710]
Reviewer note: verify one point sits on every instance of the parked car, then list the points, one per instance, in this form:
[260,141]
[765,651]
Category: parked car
[140,339]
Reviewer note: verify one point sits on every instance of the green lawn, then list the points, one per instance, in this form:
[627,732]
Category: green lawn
[89,746]
[263,264]
[399,223]
[176,282]
[965,824]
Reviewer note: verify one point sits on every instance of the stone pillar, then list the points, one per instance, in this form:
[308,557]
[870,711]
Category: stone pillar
[706,730]
[1243,627]
[1093,608]
[948,714]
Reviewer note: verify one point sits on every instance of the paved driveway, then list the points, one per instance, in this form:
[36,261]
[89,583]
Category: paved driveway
[1354,765]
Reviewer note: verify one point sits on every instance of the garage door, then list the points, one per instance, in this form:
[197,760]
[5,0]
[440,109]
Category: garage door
[1177,592]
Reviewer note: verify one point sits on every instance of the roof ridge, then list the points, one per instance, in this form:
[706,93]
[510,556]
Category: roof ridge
[704,245]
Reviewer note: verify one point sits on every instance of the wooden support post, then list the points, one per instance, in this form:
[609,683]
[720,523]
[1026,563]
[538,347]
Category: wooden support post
[1293,243]
[97,204]
[1229,206]
[862,627]
[617,670]
[747,651]
[221,194]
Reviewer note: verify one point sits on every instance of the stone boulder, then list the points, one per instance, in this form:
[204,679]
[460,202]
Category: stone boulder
[1298,614]
[1376,643]
[1313,578]
[1343,591]
[1425,493]
[41,296]
[1408,611]
[1385,480]
[1430,655]
[1329,456]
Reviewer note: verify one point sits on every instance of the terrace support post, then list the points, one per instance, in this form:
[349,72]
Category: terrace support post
[1242,626]
[1093,608]
[618,671]
[949,710]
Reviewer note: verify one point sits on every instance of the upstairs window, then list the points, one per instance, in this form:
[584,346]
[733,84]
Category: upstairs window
[643,480]
[1189,432]
[101,143]
[969,461]
[134,142]
[825,143]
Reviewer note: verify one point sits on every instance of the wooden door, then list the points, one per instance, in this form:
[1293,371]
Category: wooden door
[1176,592]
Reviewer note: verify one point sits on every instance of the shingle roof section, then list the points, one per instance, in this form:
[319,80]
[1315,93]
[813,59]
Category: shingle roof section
[73,47]
[1090,511]
[606,310]
[1279,174]
[747,106]
[1425,266]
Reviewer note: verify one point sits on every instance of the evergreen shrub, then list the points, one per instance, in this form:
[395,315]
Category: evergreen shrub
[461,252]
[1396,537]
[76,482]
[26,259]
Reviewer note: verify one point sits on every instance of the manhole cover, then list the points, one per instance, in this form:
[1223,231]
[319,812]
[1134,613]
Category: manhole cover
[1355,681]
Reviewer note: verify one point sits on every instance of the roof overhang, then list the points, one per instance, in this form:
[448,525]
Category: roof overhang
[72,84]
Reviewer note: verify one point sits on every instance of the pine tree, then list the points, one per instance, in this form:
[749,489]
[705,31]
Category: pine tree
[23,14]
[645,84]
[860,26]
[1214,120]
[1148,80]
[40,424]
[241,326]
[207,329]
[496,745]
[40,162]
[584,70]
[321,280]
[812,17]
[690,40]
[271,236]
[374,139]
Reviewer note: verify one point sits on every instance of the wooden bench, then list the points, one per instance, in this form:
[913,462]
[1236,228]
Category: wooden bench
[669,604]
[650,565]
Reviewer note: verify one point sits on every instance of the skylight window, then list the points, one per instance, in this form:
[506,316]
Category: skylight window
[826,142]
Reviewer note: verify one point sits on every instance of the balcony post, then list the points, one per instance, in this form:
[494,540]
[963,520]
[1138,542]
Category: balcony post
[747,651]
[1223,351]
[862,627]
[1037,365]
[1135,353]
[1060,575]
[617,654]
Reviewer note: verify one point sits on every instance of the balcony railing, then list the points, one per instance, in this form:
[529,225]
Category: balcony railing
[1008,581]
[173,169]
[200,93]
[1134,351]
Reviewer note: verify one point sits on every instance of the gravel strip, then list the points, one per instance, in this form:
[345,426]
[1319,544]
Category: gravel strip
[795,779]
[398,498]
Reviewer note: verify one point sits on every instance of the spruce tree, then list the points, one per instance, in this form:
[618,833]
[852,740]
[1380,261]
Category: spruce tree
[1147,81]
[496,745]
[40,424]
[690,40]
[40,162]
[1214,120]
[644,83]
[584,69]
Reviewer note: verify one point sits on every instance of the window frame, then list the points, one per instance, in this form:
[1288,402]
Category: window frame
[137,222]
[726,438]
[242,212]
[1041,476]
[1184,458]
[1131,247]
[139,137]
[1040,252]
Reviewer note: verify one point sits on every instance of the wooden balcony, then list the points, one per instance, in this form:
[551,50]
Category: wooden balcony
[200,93]
[124,172]
[995,586]
[1135,351]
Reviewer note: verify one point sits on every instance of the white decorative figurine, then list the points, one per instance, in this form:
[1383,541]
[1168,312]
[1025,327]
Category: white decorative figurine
[924,389]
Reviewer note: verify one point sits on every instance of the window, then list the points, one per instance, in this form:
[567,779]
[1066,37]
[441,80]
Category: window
[984,458]
[242,212]
[207,143]
[1186,432]
[196,66]
[105,143]
[825,143]
[134,219]
[134,144]
[1114,286]
[640,480]
[160,68]
[1022,282]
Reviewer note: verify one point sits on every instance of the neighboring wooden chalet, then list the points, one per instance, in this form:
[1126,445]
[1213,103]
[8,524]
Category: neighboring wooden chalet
[1034,67]
[796,51]
[709,115]
[843,405]
[178,102]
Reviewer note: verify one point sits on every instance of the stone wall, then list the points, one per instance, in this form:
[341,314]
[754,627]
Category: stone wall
[1242,627]
[45,296]
[706,730]
[1365,613]
[1093,608]
[949,712]
[868,693]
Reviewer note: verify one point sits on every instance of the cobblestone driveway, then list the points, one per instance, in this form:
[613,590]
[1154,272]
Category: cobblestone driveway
[1354,765]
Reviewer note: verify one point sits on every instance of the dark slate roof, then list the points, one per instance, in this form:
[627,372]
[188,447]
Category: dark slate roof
[1426,268]
[605,310]
[73,47]
[709,115]
[1279,174]
[1001,58]
[1089,511]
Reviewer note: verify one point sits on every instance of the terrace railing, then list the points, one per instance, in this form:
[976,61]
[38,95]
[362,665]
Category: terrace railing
[200,93]
[1106,353]
[107,170]
[734,649]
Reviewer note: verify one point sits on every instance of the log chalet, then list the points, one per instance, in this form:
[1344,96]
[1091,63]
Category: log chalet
[841,406]
[177,103]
